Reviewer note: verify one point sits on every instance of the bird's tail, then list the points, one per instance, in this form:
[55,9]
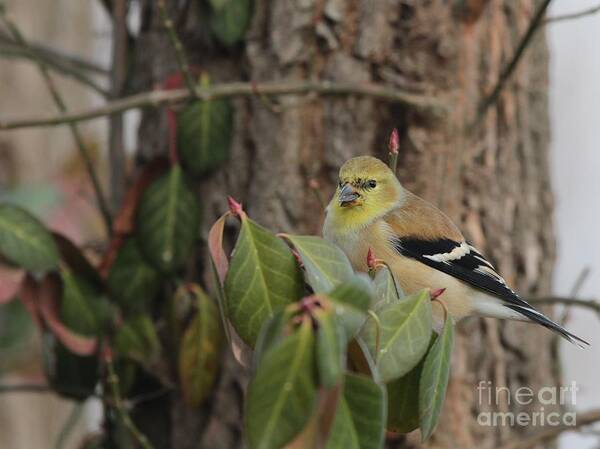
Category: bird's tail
[533,315]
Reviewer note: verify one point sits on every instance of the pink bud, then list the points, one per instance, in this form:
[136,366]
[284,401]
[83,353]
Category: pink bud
[371,261]
[437,293]
[394,143]
[314,184]
[234,207]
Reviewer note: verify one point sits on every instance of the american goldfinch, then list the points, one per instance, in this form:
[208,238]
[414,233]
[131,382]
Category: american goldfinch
[422,246]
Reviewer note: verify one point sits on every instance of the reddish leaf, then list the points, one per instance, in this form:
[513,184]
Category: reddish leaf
[215,247]
[75,260]
[29,297]
[110,255]
[175,81]
[241,351]
[124,222]
[328,404]
[10,282]
[48,299]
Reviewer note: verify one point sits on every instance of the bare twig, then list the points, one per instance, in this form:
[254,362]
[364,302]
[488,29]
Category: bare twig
[425,104]
[577,286]
[315,186]
[43,389]
[116,150]
[580,281]
[25,388]
[571,16]
[68,426]
[60,104]
[15,51]
[59,57]
[586,303]
[583,419]
[113,383]
[108,8]
[182,62]
[140,399]
[508,70]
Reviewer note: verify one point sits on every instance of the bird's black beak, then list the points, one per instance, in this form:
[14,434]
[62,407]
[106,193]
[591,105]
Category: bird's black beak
[347,195]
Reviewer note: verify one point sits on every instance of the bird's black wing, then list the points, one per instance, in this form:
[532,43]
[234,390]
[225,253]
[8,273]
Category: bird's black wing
[459,260]
[464,262]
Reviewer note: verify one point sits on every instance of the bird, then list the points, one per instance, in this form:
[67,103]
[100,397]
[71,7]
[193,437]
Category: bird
[371,212]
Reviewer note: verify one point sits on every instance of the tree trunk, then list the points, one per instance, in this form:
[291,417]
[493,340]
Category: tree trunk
[494,181]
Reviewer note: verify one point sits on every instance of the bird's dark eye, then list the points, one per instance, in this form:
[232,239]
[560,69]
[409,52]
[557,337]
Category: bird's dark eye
[372,183]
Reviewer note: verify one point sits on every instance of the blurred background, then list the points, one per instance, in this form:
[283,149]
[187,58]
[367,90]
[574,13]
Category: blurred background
[40,169]
[574,115]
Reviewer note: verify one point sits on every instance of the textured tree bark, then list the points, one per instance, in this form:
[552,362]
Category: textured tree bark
[493,181]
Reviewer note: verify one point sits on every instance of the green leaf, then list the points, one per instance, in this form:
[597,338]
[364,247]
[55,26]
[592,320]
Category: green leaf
[263,278]
[167,221]
[25,241]
[404,335]
[283,394]
[326,265]
[434,379]
[387,290]
[218,4]
[137,339]
[403,401]
[230,22]
[271,333]
[68,374]
[199,352]
[361,415]
[343,434]
[16,328]
[83,308]
[351,300]
[204,131]
[331,348]
[132,281]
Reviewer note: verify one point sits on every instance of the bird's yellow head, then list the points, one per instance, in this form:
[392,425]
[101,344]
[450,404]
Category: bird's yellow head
[367,189]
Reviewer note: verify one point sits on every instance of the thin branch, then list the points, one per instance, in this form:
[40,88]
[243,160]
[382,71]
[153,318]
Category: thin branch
[61,58]
[424,104]
[577,286]
[116,150]
[15,51]
[583,419]
[182,62]
[68,426]
[119,405]
[575,15]
[107,5]
[146,397]
[315,186]
[580,281]
[43,389]
[508,70]
[60,104]
[26,388]
[585,303]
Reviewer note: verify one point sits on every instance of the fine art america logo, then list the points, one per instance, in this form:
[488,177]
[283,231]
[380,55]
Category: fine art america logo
[544,405]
